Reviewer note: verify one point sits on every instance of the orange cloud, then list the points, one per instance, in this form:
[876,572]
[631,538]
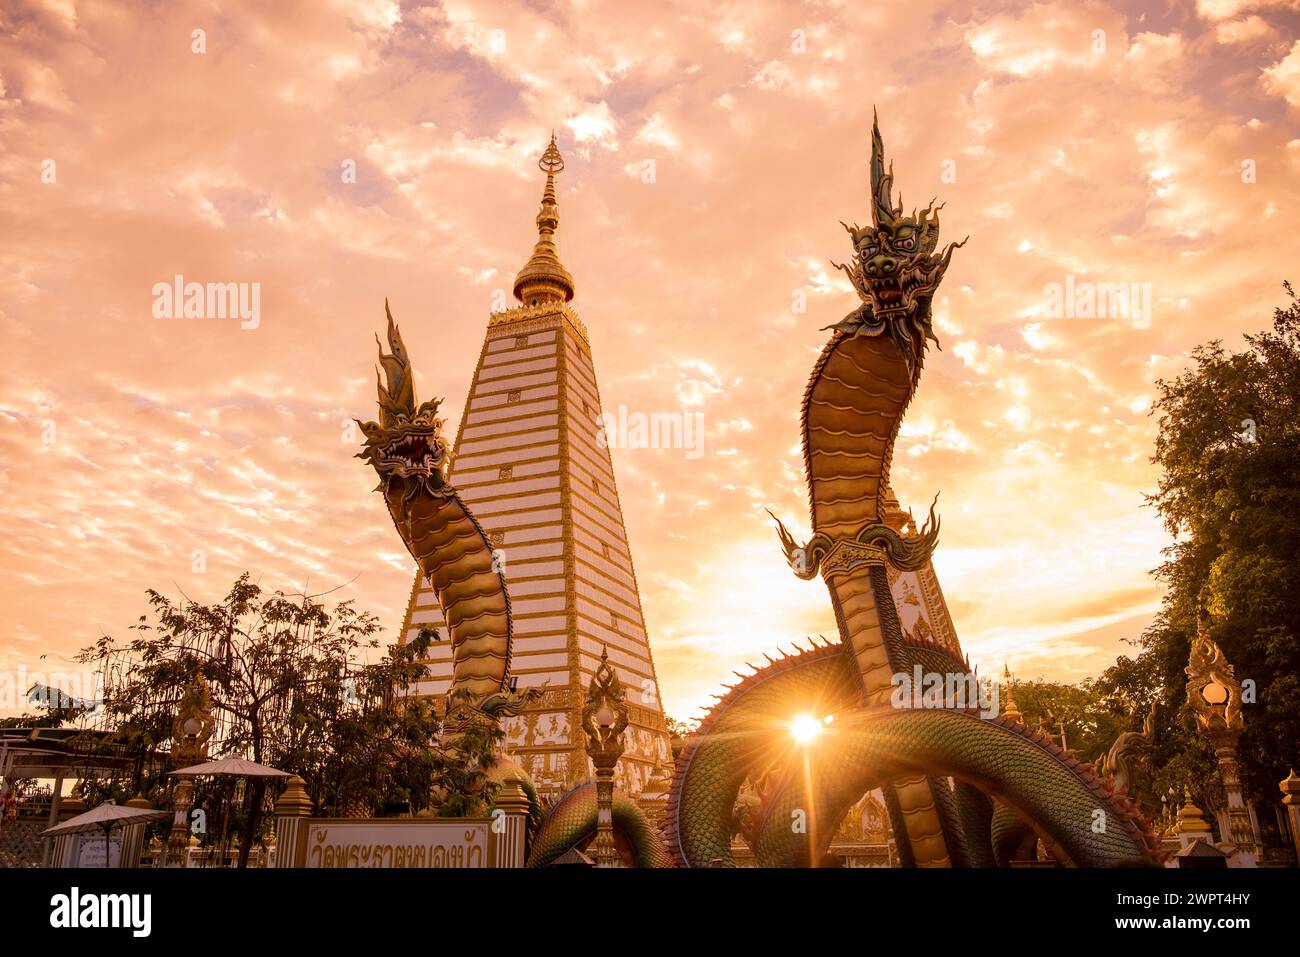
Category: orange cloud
[337,154]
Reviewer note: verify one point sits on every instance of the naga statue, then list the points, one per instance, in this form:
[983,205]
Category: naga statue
[1116,765]
[961,789]
[408,450]
[954,782]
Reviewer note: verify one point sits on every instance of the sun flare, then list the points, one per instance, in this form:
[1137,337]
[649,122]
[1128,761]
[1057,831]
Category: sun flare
[805,728]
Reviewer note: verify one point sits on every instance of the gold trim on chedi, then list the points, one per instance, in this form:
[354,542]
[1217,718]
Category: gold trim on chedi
[539,312]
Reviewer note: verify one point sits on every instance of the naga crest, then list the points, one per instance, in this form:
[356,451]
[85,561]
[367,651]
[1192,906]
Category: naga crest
[407,443]
[895,269]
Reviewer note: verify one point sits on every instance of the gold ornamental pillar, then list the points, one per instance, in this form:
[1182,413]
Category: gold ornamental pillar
[653,799]
[291,812]
[133,834]
[1192,826]
[604,719]
[1214,694]
[510,822]
[191,729]
[1290,786]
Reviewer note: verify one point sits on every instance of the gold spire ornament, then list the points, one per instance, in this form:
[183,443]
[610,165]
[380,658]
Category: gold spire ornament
[544,278]
[1010,711]
[1191,821]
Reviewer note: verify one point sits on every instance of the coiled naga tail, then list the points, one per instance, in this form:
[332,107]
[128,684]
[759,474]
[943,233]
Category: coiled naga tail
[572,819]
[807,790]
[853,407]
[411,455]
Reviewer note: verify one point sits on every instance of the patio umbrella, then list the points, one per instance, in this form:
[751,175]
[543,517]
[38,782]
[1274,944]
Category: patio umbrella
[236,767]
[105,817]
[233,767]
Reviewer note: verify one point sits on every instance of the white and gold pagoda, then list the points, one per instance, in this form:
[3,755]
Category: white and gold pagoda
[531,466]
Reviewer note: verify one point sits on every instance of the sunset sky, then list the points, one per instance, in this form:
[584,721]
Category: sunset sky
[1152,143]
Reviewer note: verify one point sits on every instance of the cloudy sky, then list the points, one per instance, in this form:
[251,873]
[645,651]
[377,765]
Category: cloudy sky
[711,150]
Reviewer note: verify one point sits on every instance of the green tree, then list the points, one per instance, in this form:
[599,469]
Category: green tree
[1089,725]
[1229,451]
[462,769]
[1095,712]
[288,690]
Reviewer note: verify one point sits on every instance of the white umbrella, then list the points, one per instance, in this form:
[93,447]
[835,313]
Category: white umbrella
[105,817]
[234,767]
[231,767]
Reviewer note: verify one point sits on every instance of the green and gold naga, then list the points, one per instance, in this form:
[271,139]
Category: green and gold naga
[961,789]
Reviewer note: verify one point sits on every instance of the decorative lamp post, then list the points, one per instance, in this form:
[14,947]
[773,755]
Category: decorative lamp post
[1214,694]
[191,729]
[604,719]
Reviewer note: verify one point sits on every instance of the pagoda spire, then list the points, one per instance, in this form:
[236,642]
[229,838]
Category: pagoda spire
[1010,710]
[544,278]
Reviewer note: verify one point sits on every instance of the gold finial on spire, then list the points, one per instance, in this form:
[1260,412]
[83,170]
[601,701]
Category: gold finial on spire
[551,161]
[544,278]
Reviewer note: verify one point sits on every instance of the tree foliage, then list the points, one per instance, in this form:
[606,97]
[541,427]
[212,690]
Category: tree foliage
[1228,447]
[289,689]
[1229,451]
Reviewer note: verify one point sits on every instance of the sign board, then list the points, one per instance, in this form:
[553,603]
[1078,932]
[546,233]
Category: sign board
[90,850]
[398,842]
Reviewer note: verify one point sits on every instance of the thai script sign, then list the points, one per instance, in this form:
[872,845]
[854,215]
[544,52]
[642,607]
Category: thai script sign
[398,843]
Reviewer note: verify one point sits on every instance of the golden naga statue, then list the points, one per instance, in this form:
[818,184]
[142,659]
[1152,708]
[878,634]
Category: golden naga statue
[409,452]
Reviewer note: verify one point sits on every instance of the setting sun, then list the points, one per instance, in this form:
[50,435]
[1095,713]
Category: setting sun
[805,728]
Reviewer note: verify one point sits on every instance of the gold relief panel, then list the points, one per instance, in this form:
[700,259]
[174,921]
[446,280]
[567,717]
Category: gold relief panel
[937,608]
[549,770]
[551,699]
[543,728]
[908,594]
[515,728]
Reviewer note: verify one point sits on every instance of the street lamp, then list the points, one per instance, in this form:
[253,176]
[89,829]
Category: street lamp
[604,719]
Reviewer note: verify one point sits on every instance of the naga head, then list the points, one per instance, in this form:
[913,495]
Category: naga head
[407,443]
[895,267]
